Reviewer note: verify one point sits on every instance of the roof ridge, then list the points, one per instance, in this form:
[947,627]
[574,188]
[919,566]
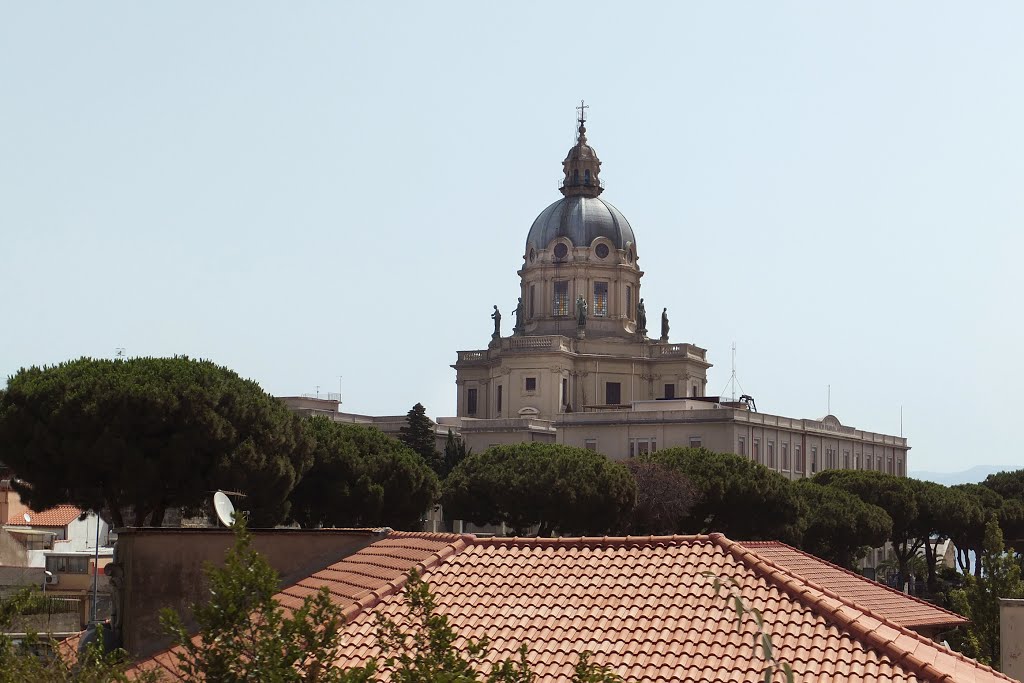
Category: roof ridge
[459,542]
[588,540]
[764,544]
[770,570]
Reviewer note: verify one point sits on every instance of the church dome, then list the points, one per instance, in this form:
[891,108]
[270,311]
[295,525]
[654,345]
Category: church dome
[581,220]
[580,216]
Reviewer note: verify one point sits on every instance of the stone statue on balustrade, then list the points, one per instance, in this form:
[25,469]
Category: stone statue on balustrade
[641,320]
[520,327]
[664,324]
[496,317]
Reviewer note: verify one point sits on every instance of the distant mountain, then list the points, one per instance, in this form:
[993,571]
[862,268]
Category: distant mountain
[975,475]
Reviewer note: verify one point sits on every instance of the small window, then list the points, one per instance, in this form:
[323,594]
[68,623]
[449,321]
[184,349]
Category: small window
[561,251]
[499,400]
[575,176]
[771,454]
[642,446]
[470,401]
[785,457]
[846,460]
[590,444]
[533,293]
[741,445]
[612,393]
[670,391]
[629,302]
[814,459]
[586,177]
[757,450]
[601,250]
[696,442]
[798,459]
[600,299]
[531,384]
[565,391]
[560,305]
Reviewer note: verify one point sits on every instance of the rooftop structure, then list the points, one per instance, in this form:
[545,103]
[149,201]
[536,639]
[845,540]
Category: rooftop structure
[643,605]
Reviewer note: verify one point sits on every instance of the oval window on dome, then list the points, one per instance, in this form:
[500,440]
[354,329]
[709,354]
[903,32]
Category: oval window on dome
[561,250]
[601,251]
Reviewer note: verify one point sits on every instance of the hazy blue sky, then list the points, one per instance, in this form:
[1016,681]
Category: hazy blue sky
[306,190]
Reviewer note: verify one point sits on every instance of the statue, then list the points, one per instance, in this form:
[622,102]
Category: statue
[581,311]
[519,327]
[664,324]
[641,319]
[496,317]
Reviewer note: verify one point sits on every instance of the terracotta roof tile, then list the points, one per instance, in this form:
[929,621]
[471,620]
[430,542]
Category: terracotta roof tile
[62,515]
[641,605]
[875,597]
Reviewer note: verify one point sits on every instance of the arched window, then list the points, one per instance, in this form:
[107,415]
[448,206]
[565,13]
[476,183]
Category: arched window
[576,176]
[586,177]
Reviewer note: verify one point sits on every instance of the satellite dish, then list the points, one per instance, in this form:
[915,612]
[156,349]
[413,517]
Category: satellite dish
[225,510]
[27,517]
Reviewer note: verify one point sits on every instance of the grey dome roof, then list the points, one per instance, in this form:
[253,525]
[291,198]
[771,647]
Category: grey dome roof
[581,220]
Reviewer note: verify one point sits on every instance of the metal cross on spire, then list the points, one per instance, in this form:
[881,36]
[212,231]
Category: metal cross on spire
[582,109]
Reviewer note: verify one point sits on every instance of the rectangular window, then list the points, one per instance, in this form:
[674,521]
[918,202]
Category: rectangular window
[741,446]
[590,444]
[629,302]
[470,401]
[642,446]
[560,306]
[798,459]
[696,442]
[814,459]
[533,293]
[601,299]
[899,467]
[771,454]
[68,565]
[565,391]
[868,464]
[846,460]
[612,393]
[696,391]
[499,400]
[785,457]
[670,391]
[757,450]
[531,384]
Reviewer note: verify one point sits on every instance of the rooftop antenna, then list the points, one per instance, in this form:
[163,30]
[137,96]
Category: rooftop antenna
[339,390]
[733,380]
[119,353]
[828,400]
[224,508]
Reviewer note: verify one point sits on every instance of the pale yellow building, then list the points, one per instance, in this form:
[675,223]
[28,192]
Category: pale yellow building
[586,365]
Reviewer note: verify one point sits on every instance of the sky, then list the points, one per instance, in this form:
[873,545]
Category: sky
[327,195]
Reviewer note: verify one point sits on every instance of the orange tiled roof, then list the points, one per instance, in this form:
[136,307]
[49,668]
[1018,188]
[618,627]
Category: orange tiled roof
[641,604]
[898,607]
[62,515]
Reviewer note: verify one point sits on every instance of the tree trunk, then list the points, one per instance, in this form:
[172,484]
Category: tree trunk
[930,561]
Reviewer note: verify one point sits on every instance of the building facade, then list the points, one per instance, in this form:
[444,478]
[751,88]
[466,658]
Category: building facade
[585,366]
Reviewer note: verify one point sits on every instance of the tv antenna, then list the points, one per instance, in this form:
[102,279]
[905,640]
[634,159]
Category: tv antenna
[224,508]
[119,353]
[733,380]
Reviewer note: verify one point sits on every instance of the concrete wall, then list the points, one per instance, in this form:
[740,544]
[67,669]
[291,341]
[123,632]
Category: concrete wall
[158,568]
[1011,637]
